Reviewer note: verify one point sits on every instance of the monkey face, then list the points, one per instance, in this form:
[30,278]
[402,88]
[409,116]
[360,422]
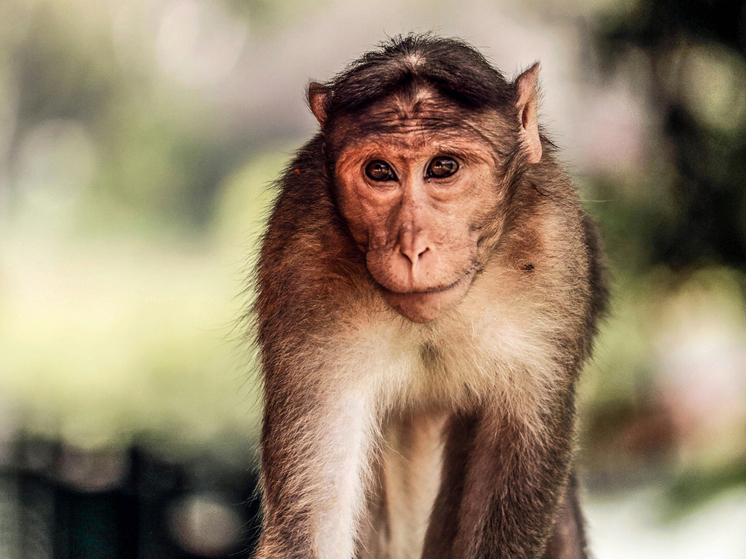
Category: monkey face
[420,205]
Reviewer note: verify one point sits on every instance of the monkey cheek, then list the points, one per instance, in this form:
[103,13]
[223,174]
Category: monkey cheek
[426,307]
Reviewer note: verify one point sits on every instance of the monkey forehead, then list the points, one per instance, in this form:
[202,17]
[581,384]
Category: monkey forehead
[414,117]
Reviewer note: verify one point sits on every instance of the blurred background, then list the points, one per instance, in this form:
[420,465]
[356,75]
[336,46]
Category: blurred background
[138,144]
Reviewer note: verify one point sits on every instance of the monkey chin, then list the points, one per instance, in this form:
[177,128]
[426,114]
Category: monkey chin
[426,306]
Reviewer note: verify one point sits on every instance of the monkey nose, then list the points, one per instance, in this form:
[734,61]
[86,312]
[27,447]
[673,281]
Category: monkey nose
[414,254]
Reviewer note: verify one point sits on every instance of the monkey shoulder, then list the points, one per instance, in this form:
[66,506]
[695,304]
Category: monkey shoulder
[544,232]
[548,269]
[308,266]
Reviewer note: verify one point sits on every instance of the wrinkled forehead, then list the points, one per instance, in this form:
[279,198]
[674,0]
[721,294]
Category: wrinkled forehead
[411,118]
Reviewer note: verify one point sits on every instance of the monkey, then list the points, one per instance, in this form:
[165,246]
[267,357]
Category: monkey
[427,290]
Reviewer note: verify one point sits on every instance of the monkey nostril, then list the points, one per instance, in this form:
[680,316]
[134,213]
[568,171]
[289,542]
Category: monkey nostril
[414,254]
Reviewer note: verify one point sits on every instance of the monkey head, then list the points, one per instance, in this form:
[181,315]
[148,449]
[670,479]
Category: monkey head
[422,181]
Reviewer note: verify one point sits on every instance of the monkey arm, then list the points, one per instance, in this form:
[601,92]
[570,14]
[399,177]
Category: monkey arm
[501,485]
[314,463]
[568,539]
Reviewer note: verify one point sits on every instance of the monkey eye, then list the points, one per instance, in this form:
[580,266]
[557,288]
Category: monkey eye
[379,171]
[441,167]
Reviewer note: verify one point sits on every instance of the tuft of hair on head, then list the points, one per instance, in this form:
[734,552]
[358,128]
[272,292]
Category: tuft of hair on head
[450,67]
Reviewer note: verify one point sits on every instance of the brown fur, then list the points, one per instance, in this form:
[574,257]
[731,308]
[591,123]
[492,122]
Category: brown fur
[426,429]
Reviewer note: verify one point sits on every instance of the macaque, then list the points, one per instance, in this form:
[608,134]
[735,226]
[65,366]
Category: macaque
[427,292]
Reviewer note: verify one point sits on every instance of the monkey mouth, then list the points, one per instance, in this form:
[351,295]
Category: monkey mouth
[431,291]
[466,277]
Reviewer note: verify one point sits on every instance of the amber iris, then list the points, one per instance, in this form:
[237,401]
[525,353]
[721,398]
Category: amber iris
[379,171]
[442,167]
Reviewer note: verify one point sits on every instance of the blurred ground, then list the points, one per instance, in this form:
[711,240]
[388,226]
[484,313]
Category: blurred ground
[627,526]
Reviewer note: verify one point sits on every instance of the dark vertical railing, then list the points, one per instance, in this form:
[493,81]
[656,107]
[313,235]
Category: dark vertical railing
[45,516]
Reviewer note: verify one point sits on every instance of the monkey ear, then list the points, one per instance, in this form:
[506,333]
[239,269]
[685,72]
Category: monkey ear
[318,94]
[528,105]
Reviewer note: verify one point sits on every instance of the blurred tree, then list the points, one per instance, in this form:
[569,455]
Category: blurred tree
[160,159]
[690,209]
[696,51]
